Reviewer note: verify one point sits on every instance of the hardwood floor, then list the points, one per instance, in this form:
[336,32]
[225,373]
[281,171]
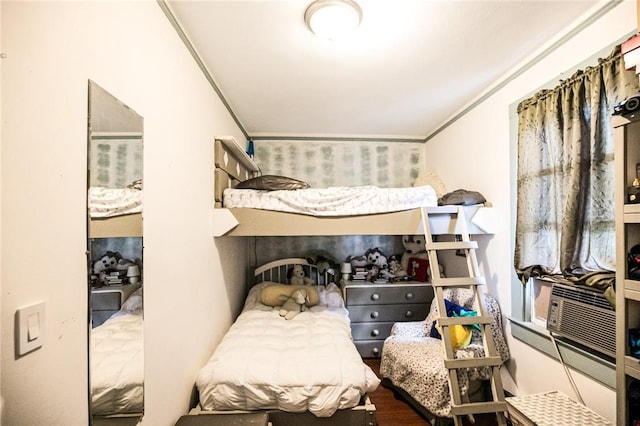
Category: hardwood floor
[391,411]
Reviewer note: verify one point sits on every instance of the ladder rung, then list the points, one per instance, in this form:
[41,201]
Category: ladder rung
[479,407]
[457,282]
[487,361]
[486,319]
[452,245]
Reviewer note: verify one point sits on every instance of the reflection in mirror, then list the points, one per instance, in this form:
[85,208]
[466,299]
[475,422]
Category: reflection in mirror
[115,267]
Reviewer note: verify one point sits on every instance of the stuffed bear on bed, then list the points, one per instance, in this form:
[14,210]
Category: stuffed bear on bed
[275,294]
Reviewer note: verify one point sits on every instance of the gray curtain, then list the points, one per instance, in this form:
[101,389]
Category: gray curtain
[565,207]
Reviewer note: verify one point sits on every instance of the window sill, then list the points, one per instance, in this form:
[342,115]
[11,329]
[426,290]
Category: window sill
[599,368]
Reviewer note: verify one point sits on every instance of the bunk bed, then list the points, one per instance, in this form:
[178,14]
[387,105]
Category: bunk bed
[301,370]
[233,165]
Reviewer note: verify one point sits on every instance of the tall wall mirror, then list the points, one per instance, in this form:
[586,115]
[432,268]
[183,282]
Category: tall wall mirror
[114,262]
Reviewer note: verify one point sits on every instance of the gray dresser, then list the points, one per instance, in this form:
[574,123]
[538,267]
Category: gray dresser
[374,308]
[106,301]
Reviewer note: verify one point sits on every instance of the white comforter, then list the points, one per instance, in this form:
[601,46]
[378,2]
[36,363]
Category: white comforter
[117,366]
[336,201]
[267,362]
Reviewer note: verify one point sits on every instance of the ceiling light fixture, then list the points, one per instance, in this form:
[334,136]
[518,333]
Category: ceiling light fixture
[332,19]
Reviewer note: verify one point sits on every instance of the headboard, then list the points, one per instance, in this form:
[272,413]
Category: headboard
[277,271]
[233,165]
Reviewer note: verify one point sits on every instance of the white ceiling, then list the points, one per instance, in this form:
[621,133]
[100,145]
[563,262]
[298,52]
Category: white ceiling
[411,66]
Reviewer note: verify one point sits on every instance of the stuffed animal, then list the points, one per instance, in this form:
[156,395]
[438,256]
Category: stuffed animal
[373,264]
[294,305]
[123,264]
[107,262]
[373,272]
[414,247]
[324,262]
[357,261]
[376,257]
[394,269]
[297,276]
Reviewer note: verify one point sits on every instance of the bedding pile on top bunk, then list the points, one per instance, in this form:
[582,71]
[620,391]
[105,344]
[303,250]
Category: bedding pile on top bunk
[306,363]
[335,201]
[117,364]
[109,202]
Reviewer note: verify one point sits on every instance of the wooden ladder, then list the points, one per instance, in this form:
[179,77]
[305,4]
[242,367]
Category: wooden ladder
[460,406]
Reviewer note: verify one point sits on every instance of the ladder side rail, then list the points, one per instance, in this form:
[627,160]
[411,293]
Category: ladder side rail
[454,386]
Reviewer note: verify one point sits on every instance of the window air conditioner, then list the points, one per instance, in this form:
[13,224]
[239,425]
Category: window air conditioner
[583,315]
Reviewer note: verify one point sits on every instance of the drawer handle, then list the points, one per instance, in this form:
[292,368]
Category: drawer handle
[375,351]
[408,314]
[375,332]
[375,314]
[375,296]
[409,295]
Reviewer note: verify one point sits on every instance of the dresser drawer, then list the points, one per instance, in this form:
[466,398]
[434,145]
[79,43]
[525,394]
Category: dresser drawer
[388,313]
[369,348]
[106,301]
[372,295]
[371,330]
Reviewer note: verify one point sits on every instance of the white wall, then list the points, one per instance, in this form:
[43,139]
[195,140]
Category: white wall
[479,146]
[131,50]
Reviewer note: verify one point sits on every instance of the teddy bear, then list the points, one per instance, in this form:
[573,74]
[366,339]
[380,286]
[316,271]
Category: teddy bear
[294,304]
[297,276]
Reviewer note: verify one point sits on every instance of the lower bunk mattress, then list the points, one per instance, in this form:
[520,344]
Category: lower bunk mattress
[308,363]
[117,366]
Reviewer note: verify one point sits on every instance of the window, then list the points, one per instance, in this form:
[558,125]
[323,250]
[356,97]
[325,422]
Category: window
[565,210]
[540,295]
[565,219]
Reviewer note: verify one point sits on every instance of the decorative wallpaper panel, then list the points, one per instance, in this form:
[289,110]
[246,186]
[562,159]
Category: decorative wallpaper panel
[115,162]
[327,164]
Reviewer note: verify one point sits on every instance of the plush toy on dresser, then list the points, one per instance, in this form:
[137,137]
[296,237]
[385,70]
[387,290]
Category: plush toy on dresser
[415,259]
[371,266]
[110,268]
[107,262]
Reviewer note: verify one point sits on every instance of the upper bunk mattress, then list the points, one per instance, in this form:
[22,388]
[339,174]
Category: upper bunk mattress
[110,202]
[334,201]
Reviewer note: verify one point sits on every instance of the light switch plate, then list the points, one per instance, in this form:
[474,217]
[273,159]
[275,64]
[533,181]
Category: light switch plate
[30,328]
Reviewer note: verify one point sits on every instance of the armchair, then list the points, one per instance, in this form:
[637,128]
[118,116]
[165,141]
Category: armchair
[413,363]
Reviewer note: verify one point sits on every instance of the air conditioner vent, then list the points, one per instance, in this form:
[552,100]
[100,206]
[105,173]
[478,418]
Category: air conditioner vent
[588,297]
[584,316]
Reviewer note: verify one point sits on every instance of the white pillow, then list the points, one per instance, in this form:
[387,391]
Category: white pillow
[133,304]
[432,179]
